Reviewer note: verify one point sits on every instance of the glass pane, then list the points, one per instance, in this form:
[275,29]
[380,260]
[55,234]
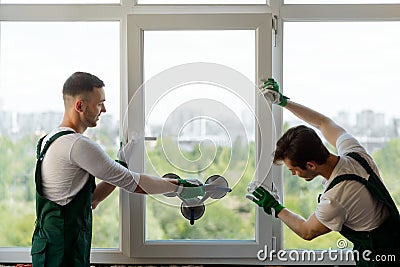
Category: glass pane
[36,59]
[205,2]
[348,71]
[202,128]
[59,1]
[341,1]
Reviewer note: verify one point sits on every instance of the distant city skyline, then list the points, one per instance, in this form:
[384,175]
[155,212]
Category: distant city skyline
[370,127]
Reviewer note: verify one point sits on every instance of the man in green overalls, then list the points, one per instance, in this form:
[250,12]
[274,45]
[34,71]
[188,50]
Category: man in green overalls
[355,201]
[66,193]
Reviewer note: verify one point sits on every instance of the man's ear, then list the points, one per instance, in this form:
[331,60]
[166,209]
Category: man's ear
[311,165]
[79,105]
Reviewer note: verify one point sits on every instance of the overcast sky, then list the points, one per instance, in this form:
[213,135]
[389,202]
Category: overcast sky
[328,66]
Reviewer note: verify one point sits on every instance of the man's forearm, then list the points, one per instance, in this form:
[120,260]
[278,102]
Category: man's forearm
[154,185]
[103,190]
[293,221]
[329,129]
[306,114]
[306,229]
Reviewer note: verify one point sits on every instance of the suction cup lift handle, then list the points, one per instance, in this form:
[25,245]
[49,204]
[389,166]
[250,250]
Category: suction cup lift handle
[211,190]
[215,187]
[211,187]
[191,216]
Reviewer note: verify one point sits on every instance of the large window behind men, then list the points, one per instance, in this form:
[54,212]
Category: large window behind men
[348,71]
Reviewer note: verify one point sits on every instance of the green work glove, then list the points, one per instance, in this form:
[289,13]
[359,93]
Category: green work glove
[190,188]
[267,199]
[270,90]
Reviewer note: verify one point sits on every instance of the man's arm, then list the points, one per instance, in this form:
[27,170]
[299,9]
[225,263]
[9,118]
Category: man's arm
[103,190]
[149,184]
[306,229]
[329,129]
[268,199]
[186,189]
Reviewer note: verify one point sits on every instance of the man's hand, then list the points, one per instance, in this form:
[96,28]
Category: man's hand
[190,188]
[190,182]
[267,199]
[270,90]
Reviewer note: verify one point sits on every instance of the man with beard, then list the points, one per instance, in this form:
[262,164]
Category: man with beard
[355,201]
[67,165]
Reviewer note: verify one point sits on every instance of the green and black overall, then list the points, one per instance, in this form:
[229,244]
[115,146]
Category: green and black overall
[63,234]
[383,242]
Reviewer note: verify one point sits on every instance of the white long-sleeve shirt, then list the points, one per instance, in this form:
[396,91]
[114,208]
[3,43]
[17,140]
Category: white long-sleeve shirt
[69,161]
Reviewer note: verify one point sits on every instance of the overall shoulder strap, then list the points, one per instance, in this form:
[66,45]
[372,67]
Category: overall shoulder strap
[346,177]
[40,153]
[353,177]
[40,156]
[373,184]
[362,162]
[39,146]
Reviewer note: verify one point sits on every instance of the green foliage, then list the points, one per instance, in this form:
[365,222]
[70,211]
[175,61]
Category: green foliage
[388,161]
[17,223]
[229,218]
[293,241]
[17,163]
[232,207]
[212,225]
[106,223]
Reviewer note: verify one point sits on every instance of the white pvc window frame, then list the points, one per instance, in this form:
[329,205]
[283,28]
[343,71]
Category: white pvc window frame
[199,251]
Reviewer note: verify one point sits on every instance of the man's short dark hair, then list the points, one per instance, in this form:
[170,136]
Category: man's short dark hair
[80,83]
[300,144]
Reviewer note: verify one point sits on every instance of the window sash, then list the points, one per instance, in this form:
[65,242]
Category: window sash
[179,250]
